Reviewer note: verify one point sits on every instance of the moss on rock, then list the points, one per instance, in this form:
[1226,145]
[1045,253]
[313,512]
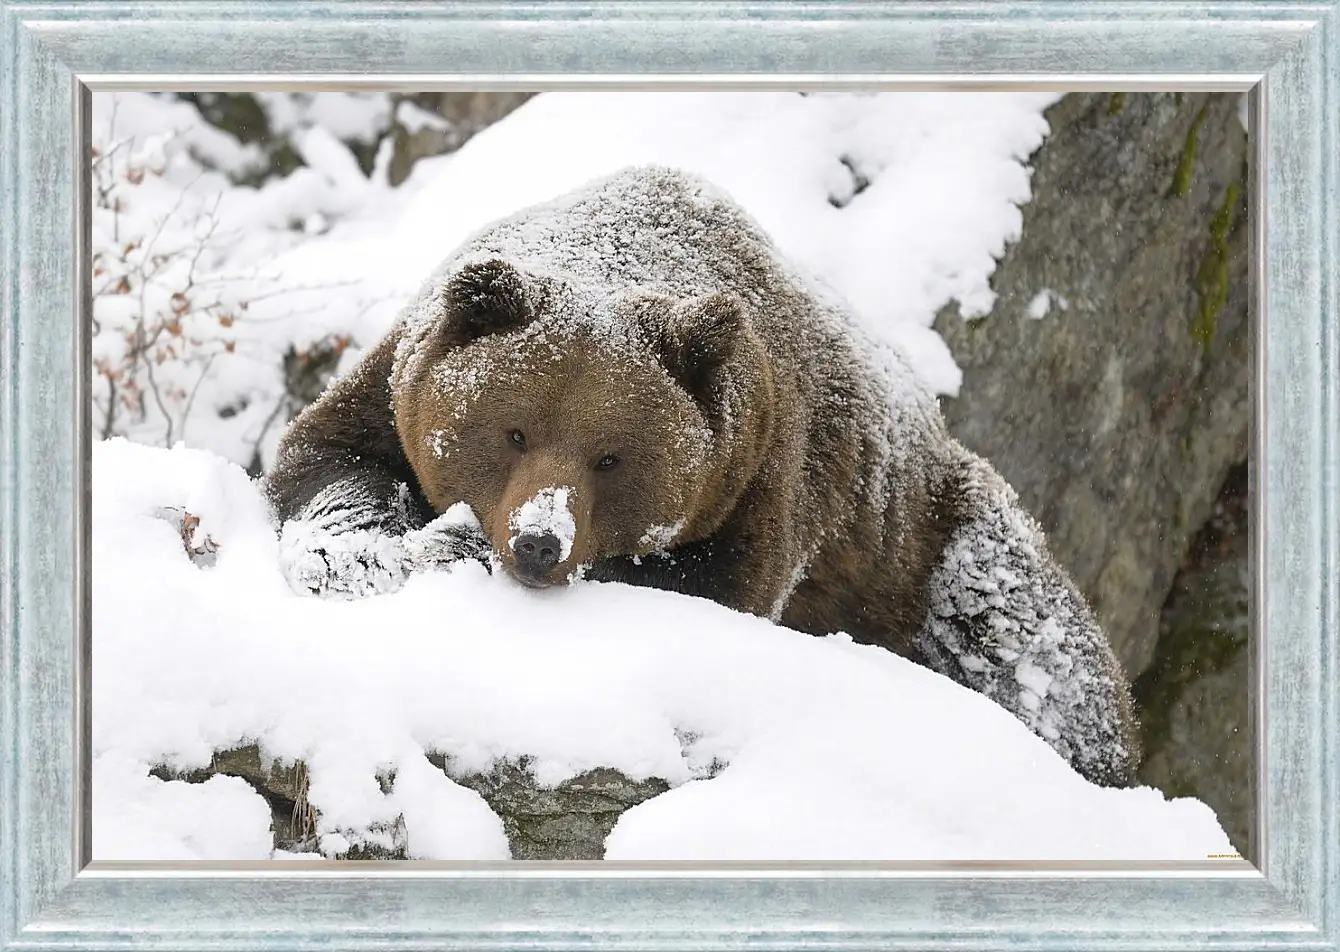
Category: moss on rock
[1213,276]
[1186,163]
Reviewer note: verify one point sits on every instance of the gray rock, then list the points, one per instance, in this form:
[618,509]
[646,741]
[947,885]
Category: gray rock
[1194,699]
[284,787]
[569,821]
[1117,415]
[463,114]
[242,116]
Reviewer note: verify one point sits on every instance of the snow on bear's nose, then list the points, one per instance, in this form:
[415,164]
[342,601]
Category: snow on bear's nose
[542,532]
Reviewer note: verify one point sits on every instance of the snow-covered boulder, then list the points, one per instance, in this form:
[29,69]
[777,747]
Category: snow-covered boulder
[770,744]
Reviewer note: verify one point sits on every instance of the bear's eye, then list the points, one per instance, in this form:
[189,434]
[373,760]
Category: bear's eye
[608,461]
[517,439]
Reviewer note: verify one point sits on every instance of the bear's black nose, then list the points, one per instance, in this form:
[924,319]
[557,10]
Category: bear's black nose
[536,554]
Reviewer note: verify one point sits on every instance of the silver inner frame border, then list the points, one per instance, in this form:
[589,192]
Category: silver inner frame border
[86,868]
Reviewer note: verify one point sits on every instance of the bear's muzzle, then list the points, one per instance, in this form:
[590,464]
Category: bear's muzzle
[536,555]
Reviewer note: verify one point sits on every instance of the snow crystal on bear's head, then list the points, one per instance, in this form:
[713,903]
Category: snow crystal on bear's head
[440,442]
[546,513]
[660,537]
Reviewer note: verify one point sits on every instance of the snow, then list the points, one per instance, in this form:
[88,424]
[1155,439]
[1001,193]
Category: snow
[547,513]
[414,119]
[139,817]
[831,750]
[1041,304]
[900,202]
[660,537]
[346,116]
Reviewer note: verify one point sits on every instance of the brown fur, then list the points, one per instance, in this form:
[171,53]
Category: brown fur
[739,411]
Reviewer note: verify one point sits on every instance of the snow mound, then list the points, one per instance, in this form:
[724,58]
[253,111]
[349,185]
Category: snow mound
[831,750]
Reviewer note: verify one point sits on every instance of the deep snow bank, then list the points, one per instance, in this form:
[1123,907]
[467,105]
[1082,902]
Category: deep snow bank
[834,751]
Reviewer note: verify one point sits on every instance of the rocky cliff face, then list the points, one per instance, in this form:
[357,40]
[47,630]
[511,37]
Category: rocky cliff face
[1195,698]
[1109,385]
[1117,414]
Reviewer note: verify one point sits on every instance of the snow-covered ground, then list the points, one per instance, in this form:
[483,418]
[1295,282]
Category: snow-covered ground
[833,750]
[899,201]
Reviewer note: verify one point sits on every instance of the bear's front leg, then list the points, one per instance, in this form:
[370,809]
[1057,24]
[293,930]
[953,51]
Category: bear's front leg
[359,562]
[740,567]
[344,564]
[1005,620]
[364,534]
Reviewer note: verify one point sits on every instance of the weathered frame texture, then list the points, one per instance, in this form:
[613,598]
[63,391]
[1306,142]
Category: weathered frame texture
[53,53]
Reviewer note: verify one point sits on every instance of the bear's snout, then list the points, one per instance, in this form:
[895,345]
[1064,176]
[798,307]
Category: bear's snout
[540,536]
[536,555]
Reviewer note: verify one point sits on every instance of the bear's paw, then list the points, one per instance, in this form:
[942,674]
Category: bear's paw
[352,564]
[454,536]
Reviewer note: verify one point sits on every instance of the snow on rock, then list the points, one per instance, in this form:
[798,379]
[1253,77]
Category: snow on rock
[546,514]
[832,750]
[348,116]
[414,118]
[139,817]
[1041,304]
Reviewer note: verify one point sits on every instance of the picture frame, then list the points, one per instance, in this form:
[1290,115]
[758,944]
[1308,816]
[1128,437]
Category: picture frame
[1286,53]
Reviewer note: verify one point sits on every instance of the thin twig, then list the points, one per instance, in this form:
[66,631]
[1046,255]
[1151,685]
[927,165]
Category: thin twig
[186,412]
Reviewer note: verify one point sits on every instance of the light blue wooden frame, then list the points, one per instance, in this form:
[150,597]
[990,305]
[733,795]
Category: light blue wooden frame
[1289,52]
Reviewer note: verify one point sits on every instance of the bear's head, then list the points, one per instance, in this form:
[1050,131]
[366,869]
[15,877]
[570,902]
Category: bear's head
[580,425]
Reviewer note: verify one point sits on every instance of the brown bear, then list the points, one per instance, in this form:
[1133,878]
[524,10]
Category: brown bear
[631,384]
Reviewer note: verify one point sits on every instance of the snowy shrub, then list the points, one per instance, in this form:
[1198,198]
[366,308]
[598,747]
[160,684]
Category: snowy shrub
[195,336]
[159,319]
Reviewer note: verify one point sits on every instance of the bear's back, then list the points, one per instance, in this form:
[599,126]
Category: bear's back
[662,230]
[649,227]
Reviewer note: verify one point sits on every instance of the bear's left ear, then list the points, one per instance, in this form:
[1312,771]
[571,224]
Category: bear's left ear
[486,298]
[699,336]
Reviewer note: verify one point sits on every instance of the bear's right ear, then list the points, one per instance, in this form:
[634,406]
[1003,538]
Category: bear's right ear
[485,298]
[697,337]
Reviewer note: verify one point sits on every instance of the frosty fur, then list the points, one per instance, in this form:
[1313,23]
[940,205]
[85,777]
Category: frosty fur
[807,473]
[334,551]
